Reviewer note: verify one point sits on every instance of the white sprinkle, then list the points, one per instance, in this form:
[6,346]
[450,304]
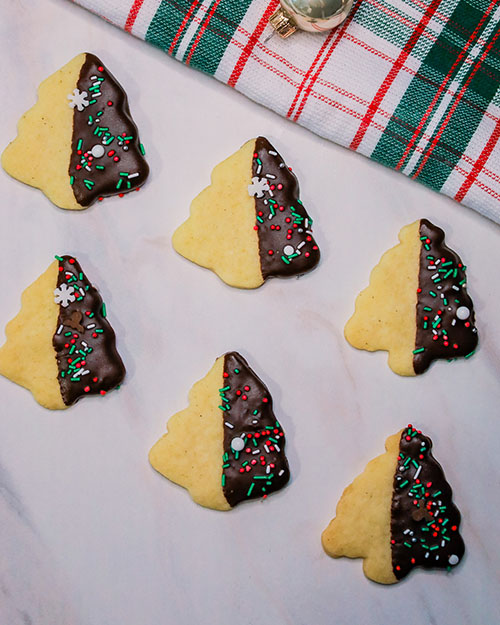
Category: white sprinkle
[437,261]
[281,472]
[237,444]
[301,244]
[431,267]
[442,543]
[439,288]
[463,313]
[82,291]
[255,421]
[86,372]
[455,287]
[426,554]
[266,448]
[268,469]
[93,78]
[271,176]
[271,193]
[59,329]
[276,447]
[259,169]
[272,153]
[229,425]
[306,222]
[97,151]
[133,175]
[436,275]
[84,344]
[453,559]
[442,295]
[255,451]
[453,322]
[407,531]
[91,326]
[282,165]
[437,557]
[434,332]
[417,472]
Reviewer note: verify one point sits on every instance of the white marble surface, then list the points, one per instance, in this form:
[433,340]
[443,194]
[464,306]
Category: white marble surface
[89,533]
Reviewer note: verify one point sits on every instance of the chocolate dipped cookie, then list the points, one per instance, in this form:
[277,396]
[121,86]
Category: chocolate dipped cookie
[227,446]
[250,224]
[78,143]
[398,514]
[61,346]
[416,306]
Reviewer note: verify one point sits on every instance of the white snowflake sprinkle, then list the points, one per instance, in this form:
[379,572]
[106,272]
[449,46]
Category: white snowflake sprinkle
[64,295]
[79,99]
[258,187]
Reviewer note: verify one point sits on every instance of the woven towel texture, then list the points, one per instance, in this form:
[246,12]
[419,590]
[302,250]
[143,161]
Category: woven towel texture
[412,84]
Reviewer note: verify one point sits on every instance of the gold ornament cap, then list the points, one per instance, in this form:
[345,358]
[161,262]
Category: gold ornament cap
[283,23]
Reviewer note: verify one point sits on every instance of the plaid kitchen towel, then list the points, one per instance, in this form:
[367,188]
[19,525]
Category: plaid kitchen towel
[413,84]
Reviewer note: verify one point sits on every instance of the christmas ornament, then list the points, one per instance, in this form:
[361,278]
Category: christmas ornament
[311,15]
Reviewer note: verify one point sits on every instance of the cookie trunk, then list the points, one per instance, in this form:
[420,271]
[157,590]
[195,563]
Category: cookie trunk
[27,357]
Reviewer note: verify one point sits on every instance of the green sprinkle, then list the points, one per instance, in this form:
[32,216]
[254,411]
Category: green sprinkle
[470,354]
[432,293]
[223,479]
[226,388]
[249,492]
[427,309]
[419,350]
[141,148]
[236,370]
[403,484]
[71,179]
[99,167]
[103,310]
[59,258]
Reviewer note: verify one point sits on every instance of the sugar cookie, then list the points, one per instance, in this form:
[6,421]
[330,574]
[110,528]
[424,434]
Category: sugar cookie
[416,306]
[60,346]
[226,446]
[398,514]
[78,143]
[249,224]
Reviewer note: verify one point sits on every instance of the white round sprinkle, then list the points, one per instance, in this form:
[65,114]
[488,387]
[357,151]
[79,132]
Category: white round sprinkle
[288,249]
[97,151]
[463,313]
[237,444]
[453,559]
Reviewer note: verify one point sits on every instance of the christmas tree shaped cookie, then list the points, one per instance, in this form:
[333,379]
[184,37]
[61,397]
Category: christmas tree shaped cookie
[78,143]
[398,514]
[226,446]
[249,224]
[60,346]
[416,306]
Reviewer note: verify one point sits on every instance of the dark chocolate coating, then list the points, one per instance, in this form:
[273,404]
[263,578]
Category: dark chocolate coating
[280,213]
[247,410]
[84,341]
[442,288]
[424,521]
[106,123]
